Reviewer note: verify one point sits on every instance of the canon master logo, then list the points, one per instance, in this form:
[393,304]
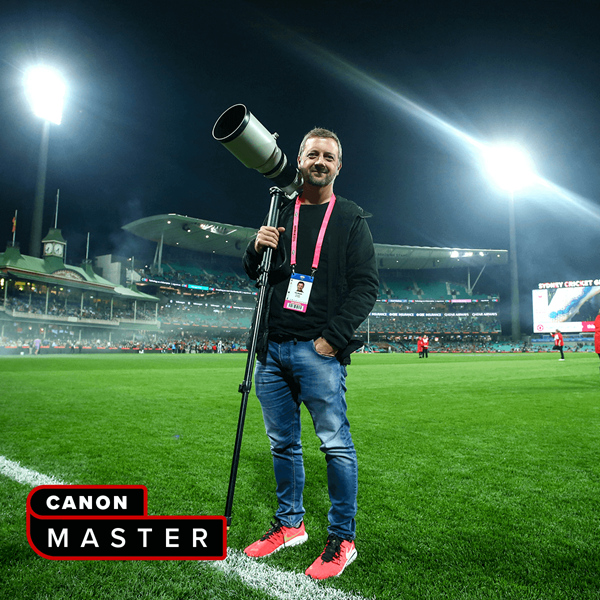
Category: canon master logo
[111,522]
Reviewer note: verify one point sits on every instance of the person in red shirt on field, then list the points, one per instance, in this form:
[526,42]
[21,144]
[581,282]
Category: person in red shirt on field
[420,346]
[425,343]
[559,343]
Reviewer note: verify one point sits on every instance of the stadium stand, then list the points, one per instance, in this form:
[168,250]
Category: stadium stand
[206,303]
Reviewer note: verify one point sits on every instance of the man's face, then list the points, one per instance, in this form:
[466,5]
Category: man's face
[319,163]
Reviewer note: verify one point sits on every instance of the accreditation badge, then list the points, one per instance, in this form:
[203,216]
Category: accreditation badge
[298,292]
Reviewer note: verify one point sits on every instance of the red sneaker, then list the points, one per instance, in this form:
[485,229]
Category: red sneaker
[338,554]
[278,537]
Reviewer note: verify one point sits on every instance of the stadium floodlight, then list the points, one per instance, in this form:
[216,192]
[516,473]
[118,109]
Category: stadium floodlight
[45,91]
[509,167]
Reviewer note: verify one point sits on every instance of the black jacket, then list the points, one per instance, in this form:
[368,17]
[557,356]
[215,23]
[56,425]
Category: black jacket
[352,279]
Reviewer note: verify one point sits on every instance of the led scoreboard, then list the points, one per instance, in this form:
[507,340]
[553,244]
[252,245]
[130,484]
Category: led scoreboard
[570,306]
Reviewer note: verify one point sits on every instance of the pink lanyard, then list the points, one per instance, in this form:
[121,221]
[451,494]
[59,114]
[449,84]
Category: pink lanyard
[319,246]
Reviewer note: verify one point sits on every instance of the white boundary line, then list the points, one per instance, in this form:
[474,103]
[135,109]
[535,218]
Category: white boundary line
[25,476]
[258,575]
[280,584]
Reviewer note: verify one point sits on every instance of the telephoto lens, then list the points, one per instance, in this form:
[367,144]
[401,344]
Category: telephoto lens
[252,144]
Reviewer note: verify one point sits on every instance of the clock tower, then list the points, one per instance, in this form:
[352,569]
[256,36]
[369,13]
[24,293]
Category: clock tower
[53,245]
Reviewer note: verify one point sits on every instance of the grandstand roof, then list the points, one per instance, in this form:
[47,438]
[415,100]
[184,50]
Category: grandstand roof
[231,240]
[53,271]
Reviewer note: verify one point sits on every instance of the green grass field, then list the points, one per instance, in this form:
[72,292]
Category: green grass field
[479,474]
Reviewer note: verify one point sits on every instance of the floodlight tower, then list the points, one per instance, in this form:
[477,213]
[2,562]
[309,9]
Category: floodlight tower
[511,169]
[45,91]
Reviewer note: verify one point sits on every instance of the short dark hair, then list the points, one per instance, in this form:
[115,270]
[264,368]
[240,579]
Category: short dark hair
[319,132]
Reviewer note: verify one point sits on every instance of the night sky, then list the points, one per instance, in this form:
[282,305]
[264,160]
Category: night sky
[147,81]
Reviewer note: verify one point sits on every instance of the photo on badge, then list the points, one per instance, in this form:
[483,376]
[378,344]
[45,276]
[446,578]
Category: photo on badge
[298,292]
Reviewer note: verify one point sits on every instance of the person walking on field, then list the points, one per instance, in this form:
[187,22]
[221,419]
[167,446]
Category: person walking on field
[305,342]
[559,343]
[425,346]
[420,346]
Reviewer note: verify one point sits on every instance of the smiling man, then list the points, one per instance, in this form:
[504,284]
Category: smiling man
[304,346]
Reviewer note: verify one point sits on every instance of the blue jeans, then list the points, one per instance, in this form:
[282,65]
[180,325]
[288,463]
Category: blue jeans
[294,373]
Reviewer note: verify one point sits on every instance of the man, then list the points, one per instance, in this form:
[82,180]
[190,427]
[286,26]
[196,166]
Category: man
[559,343]
[425,345]
[303,346]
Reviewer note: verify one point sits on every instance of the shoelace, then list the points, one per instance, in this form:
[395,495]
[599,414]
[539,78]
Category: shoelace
[332,548]
[274,529]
